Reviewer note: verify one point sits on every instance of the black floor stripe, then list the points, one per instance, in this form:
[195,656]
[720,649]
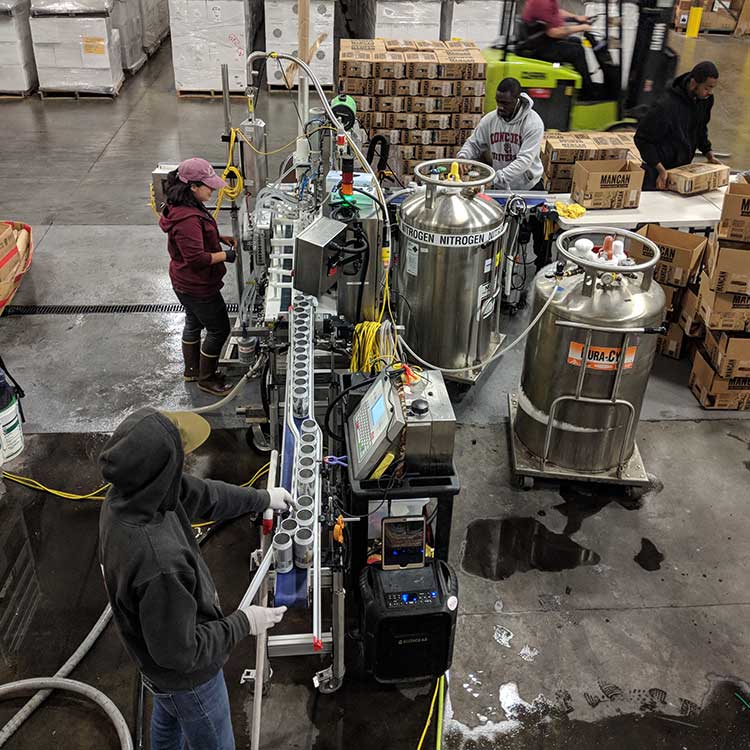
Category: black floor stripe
[98,309]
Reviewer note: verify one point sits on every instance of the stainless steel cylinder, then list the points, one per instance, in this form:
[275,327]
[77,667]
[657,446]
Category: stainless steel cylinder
[305,502]
[305,518]
[303,548]
[289,526]
[309,425]
[305,481]
[300,402]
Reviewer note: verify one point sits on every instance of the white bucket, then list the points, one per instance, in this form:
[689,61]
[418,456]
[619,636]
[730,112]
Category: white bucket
[11,435]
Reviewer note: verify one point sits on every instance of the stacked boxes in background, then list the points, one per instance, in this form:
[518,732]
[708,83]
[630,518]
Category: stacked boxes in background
[281,36]
[561,151]
[679,266]
[721,371]
[718,15]
[425,97]
[76,46]
[17,66]
[207,35]
[154,23]
[126,18]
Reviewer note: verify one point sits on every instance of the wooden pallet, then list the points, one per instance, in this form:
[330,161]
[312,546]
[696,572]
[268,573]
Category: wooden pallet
[16,95]
[93,95]
[272,87]
[208,94]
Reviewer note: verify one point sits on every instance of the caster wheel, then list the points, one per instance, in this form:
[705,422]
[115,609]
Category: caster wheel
[525,483]
[330,687]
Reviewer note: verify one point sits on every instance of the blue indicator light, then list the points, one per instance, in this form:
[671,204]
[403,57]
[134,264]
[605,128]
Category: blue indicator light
[434,594]
[404,597]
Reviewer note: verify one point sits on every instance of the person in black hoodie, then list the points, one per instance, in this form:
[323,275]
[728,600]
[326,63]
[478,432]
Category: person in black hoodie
[196,269]
[677,125]
[164,601]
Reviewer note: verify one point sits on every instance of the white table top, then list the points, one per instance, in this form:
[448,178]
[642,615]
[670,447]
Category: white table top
[657,207]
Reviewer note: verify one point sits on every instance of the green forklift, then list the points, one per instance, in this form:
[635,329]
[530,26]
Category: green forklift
[555,87]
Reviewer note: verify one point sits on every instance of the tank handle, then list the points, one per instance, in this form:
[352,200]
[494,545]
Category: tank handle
[647,268]
[453,179]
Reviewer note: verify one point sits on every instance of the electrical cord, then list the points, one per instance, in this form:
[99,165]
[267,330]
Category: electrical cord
[332,405]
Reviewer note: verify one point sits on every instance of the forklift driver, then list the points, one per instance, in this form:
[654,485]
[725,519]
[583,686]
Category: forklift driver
[548,35]
[677,125]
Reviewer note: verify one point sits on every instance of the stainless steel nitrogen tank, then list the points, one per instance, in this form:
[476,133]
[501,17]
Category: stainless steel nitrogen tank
[604,316]
[448,267]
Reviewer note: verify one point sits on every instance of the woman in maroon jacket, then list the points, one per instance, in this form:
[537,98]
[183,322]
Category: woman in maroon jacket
[196,269]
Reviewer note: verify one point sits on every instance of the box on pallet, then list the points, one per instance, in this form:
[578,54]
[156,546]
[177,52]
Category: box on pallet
[735,213]
[17,66]
[609,183]
[728,267]
[697,178]
[399,45]
[689,317]
[568,148]
[388,65]
[724,312]
[729,353]
[355,63]
[421,65]
[433,104]
[715,392]
[433,137]
[364,45]
[671,344]
[681,253]
[76,53]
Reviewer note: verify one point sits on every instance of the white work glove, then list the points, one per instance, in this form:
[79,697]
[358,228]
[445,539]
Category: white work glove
[262,618]
[281,500]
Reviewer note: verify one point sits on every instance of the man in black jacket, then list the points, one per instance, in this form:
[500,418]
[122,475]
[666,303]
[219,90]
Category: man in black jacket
[677,125]
[163,598]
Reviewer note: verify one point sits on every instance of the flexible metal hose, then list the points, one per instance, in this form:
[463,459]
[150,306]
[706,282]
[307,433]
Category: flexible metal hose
[251,373]
[47,684]
[32,704]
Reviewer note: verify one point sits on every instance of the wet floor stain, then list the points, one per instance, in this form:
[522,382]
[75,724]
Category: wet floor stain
[649,558]
[495,549]
[585,500]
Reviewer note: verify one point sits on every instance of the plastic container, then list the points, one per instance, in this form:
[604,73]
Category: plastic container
[11,434]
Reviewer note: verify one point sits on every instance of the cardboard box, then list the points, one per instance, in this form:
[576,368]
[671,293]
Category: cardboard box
[559,171]
[363,45]
[409,88]
[714,392]
[609,146]
[421,64]
[673,295]
[391,104]
[717,21]
[729,353]
[697,178]
[432,104]
[723,312]
[388,65]
[381,87]
[433,137]
[472,88]
[394,136]
[671,344]
[429,45]
[464,134]
[405,120]
[357,86]
[400,45]
[681,254]
[425,153]
[461,64]
[557,184]
[439,88]
[472,104]
[468,120]
[365,103]
[459,44]
[728,267]
[438,121]
[689,318]
[735,213]
[356,64]
[612,183]
[567,148]
[406,152]
[16,251]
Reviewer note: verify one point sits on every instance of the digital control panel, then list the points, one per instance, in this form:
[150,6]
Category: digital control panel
[375,424]
[405,599]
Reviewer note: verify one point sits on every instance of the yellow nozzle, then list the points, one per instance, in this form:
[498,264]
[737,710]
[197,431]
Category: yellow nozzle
[454,175]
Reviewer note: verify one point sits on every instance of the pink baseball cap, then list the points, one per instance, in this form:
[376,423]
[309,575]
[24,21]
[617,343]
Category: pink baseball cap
[199,170]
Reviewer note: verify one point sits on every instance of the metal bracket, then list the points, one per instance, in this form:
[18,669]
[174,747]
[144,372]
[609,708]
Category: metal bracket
[322,677]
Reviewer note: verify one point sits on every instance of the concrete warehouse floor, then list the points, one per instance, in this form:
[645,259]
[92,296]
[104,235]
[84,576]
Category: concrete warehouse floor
[614,623]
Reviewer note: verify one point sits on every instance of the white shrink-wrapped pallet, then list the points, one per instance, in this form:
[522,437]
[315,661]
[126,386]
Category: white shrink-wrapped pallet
[126,18]
[17,66]
[155,23]
[281,36]
[206,35]
[73,51]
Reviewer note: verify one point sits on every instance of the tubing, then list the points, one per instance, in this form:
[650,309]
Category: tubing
[441,704]
[46,684]
[31,705]
[232,394]
[495,356]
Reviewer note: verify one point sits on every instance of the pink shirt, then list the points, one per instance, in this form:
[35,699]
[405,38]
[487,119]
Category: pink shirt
[546,11]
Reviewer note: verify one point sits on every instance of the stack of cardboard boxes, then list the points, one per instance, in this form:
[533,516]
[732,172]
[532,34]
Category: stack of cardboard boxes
[561,151]
[425,97]
[718,15]
[721,370]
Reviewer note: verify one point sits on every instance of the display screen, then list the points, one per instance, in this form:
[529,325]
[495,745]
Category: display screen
[377,412]
[403,542]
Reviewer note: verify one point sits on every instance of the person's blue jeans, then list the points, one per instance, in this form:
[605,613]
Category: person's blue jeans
[200,716]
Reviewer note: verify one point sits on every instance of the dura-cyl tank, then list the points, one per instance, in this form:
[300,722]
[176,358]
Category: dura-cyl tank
[448,265]
[605,314]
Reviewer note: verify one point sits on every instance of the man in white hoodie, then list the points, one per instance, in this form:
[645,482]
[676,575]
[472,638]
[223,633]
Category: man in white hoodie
[513,135]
